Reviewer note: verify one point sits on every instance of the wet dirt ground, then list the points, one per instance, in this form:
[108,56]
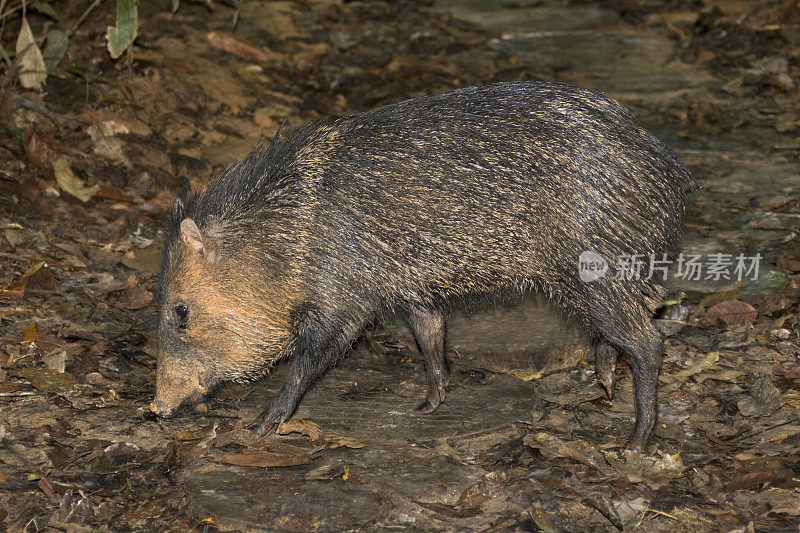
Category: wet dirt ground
[527,440]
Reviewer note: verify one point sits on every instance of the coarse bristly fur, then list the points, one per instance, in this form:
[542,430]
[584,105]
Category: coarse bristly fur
[482,190]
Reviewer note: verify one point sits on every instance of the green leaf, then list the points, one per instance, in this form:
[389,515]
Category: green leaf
[123,34]
[45,9]
[54,49]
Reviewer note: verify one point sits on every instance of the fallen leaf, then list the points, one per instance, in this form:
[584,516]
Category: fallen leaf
[42,149]
[331,442]
[228,43]
[304,427]
[261,459]
[70,183]
[268,443]
[47,380]
[44,280]
[580,451]
[29,58]
[106,144]
[135,296]
[703,364]
[16,289]
[732,312]
[754,479]
[30,333]
[54,49]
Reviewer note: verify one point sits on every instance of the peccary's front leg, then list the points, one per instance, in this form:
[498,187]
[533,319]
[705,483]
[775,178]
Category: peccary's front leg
[429,329]
[318,343]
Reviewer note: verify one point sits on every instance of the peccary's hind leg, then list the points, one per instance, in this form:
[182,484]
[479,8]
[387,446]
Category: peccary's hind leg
[605,362]
[644,354]
[631,331]
[429,329]
[618,314]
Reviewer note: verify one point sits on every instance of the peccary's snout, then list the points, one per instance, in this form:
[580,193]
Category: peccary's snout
[161,410]
[176,385]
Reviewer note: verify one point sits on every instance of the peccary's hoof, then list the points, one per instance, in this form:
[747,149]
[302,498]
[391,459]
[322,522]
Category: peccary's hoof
[607,382]
[426,407]
[635,447]
[258,429]
[262,426]
[432,402]
[605,364]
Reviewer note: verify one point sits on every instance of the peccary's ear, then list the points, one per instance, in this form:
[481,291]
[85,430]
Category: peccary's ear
[195,240]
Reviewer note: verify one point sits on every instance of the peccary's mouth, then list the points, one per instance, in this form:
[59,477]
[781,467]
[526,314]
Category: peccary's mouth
[167,409]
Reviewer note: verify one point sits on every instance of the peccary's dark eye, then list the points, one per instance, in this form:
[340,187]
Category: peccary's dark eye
[182,312]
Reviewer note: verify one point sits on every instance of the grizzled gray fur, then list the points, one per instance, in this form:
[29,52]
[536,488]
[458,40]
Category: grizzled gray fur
[484,190]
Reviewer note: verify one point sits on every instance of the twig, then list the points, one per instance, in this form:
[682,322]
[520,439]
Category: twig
[86,13]
[63,120]
[5,56]
[2,30]
[790,421]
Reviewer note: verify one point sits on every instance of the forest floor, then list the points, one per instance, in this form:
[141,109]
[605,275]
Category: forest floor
[90,167]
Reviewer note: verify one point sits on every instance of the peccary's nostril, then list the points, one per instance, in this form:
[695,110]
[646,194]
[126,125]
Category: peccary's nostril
[161,411]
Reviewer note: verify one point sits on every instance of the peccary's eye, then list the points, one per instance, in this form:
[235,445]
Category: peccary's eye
[182,312]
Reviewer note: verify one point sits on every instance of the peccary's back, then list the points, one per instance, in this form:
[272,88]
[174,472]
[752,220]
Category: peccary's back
[496,182]
[464,191]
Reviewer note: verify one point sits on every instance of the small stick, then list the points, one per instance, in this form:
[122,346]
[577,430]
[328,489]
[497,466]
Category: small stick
[63,120]
[790,421]
[86,13]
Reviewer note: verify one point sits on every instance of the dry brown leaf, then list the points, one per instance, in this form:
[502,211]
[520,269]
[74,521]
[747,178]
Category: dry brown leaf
[16,290]
[228,43]
[754,479]
[580,451]
[33,71]
[106,144]
[42,149]
[267,443]
[261,459]
[44,279]
[70,183]
[732,312]
[697,367]
[135,296]
[304,427]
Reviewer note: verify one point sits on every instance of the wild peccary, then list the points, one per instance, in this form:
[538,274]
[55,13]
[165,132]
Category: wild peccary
[483,190]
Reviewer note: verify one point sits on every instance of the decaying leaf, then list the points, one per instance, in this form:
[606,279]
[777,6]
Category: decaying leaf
[732,312]
[54,49]
[42,149]
[106,144]
[698,366]
[261,459]
[135,296]
[29,58]
[70,183]
[228,43]
[17,288]
[580,451]
[754,479]
[47,380]
[304,427]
